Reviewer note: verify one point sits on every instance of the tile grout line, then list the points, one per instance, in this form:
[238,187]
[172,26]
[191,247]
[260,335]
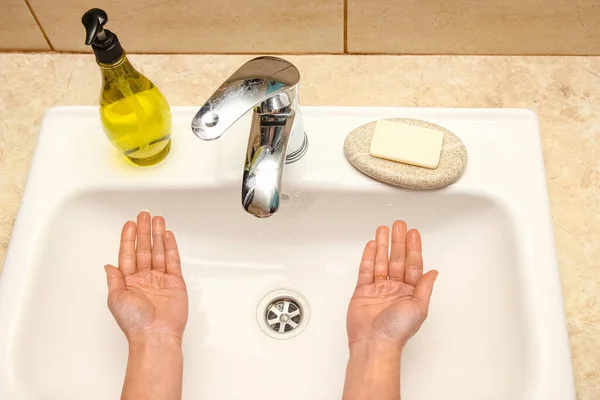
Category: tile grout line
[37,21]
[345,26]
[67,52]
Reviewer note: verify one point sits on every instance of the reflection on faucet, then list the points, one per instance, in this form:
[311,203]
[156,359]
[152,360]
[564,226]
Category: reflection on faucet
[269,85]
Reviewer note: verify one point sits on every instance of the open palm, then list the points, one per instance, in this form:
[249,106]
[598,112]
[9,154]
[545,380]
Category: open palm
[391,299]
[147,293]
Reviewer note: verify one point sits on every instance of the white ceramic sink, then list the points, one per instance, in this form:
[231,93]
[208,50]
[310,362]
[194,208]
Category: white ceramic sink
[496,329]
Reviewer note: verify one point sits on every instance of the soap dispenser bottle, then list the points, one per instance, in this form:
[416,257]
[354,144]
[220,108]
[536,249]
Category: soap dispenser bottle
[135,115]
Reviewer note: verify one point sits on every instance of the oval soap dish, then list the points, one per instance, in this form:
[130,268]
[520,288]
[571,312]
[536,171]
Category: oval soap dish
[453,159]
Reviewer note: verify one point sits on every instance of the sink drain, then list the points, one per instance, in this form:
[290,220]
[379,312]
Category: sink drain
[282,314]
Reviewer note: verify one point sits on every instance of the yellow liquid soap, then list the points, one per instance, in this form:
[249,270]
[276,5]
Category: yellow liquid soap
[135,115]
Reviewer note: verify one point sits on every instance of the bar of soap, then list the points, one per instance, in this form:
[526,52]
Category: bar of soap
[408,144]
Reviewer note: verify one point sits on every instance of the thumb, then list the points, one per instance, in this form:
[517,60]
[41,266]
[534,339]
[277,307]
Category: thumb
[114,279]
[424,288]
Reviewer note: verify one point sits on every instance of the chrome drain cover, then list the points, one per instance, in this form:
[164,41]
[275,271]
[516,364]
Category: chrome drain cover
[282,314]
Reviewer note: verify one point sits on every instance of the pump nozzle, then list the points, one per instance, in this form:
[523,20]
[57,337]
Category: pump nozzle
[105,44]
[94,21]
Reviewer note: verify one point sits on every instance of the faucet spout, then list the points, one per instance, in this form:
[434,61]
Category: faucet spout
[269,86]
[265,159]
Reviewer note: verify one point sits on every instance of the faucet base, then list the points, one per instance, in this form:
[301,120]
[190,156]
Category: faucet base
[299,153]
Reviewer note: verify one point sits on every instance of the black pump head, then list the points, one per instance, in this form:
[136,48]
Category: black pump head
[105,44]
[94,21]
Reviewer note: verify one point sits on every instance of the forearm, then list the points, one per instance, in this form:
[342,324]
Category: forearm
[154,369]
[373,374]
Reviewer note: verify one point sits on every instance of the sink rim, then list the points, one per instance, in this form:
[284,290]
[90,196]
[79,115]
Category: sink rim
[52,178]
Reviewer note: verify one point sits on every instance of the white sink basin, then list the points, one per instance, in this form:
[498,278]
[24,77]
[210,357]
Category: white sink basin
[496,329]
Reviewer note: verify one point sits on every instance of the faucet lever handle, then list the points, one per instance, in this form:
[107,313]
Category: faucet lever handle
[253,83]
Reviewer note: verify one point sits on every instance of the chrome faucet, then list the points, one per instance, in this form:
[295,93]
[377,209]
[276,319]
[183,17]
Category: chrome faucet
[269,85]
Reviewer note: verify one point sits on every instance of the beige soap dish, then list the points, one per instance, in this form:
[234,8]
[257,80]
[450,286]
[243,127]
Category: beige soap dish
[453,159]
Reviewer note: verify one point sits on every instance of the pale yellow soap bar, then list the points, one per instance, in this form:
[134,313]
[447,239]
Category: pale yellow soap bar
[407,144]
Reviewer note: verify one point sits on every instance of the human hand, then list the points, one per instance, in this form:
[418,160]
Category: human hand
[147,295]
[391,299]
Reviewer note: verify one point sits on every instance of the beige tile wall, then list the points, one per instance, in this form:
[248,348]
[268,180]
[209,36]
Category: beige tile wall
[18,29]
[313,26]
[474,26]
[202,26]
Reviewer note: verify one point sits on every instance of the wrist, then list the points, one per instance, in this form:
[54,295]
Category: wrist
[373,371]
[153,341]
[374,350]
[154,367]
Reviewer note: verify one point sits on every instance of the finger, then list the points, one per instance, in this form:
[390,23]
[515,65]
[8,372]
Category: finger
[413,267]
[381,258]
[144,242]
[127,263]
[424,288]
[158,249]
[172,259]
[114,279]
[367,264]
[398,252]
